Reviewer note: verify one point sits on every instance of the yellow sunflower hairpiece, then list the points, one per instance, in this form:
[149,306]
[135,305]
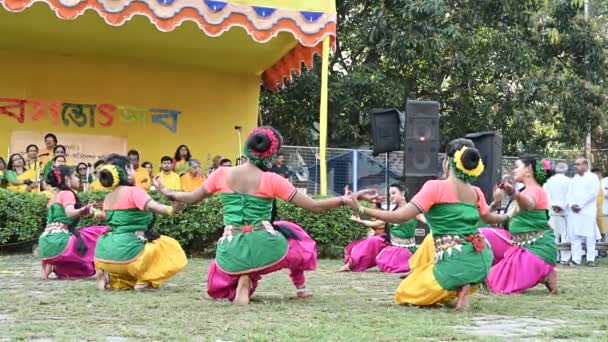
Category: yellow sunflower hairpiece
[115,174]
[464,173]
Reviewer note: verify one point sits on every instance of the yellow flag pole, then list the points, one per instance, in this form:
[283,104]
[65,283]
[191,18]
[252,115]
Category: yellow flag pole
[323,117]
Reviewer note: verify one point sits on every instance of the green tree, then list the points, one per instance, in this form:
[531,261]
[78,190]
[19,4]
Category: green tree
[531,69]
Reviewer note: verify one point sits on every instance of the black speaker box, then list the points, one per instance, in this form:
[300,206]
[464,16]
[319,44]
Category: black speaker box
[421,139]
[386,135]
[489,144]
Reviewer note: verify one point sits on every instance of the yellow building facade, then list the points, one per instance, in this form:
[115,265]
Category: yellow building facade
[157,73]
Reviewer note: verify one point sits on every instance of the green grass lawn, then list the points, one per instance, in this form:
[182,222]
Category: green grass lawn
[345,307]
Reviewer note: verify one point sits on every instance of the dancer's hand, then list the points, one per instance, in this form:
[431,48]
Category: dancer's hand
[498,195]
[508,187]
[368,195]
[352,201]
[156,182]
[355,218]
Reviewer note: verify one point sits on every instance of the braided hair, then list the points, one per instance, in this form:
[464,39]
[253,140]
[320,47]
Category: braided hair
[56,178]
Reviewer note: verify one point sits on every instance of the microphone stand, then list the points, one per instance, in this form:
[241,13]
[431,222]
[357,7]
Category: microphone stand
[240,147]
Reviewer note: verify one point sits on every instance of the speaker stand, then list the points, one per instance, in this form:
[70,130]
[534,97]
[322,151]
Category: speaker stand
[388,185]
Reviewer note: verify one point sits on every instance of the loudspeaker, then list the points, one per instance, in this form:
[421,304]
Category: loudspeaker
[489,144]
[386,136]
[421,139]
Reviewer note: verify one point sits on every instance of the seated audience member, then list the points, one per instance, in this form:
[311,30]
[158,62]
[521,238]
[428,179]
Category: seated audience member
[225,163]
[18,177]
[168,177]
[142,176]
[194,179]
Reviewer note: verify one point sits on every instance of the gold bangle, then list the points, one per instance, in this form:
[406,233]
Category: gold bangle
[170,211]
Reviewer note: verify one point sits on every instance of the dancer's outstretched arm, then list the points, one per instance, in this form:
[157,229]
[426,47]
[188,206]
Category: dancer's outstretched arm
[304,201]
[369,223]
[189,197]
[157,208]
[402,214]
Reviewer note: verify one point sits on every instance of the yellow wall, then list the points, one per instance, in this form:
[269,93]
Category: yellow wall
[211,103]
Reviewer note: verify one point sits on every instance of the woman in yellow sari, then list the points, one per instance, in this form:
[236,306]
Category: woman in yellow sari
[132,255]
[19,178]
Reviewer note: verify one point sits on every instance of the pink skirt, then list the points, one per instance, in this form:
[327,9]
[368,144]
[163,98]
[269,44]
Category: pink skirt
[70,264]
[361,254]
[393,259]
[499,240]
[519,271]
[301,256]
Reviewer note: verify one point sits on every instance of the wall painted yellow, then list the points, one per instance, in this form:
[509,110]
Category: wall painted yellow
[211,103]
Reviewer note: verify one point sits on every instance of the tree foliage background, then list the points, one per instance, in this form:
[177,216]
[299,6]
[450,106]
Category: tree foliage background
[532,69]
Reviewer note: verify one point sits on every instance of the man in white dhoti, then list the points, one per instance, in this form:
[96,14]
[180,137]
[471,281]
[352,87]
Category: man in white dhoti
[582,213]
[557,188]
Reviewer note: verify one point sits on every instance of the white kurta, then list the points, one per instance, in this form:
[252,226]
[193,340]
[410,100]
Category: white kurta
[583,192]
[557,188]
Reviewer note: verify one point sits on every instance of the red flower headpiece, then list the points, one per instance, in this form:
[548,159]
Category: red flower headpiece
[274,143]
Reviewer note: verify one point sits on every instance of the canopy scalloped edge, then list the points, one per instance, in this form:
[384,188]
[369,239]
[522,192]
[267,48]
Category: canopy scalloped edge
[214,18]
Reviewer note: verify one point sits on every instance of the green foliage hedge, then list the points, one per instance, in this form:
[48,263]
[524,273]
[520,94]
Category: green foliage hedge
[196,227]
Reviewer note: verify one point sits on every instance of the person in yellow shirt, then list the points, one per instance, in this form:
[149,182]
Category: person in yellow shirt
[169,178]
[46,154]
[142,177]
[194,179]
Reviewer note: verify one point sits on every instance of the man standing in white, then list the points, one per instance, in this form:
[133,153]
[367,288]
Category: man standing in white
[582,214]
[557,189]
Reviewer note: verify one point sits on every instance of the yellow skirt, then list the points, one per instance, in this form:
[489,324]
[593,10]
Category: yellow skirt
[420,287]
[160,260]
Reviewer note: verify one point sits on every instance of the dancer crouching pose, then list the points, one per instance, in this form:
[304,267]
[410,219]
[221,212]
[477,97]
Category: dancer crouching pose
[390,251]
[452,208]
[132,255]
[64,249]
[251,245]
[532,258]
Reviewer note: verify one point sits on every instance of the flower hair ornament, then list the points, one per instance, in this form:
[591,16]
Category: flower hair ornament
[115,174]
[467,176]
[268,156]
[540,170]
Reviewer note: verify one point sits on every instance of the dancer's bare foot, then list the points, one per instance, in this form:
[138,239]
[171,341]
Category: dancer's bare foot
[144,287]
[101,280]
[404,275]
[302,292]
[47,269]
[551,283]
[464,298]
[242,290]
[345,268]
